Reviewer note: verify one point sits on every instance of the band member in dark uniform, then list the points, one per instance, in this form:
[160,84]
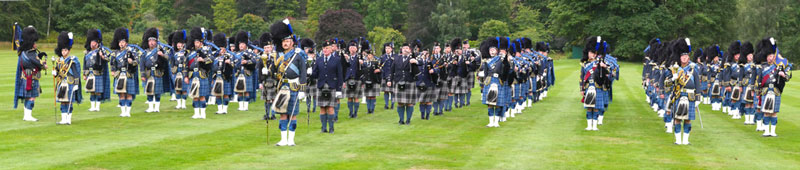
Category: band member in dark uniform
[199,64]
[95,69]
[223,70]
[386,64]
[370,76]
[178,67]
[29,66]
[473,63]
[269,82]
[426,84]
[67,73]
[125,69]
[329,75]
[308,46]
[402,79]
[291,61]
[773,78]
[352,87]
[245,82]
[155,69]
[441,89]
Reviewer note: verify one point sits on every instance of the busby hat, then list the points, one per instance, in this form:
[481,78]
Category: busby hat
[281,30]
[220,40]
[455,43]
[64,42]
[29,37]
[265,38]
[526,43]
[747,48]
[307,43]
[764,48]
[179,37]
[196,34]
[149,34]
[491,42]
[93,35]
[121,34]
[417,44]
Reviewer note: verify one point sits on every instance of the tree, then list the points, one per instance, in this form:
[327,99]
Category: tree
[79,16]
[381,35]
[526,24]
[418,23]
[224,12]
[280,9]
[344,24]
[314,9]
[385,13]
[486,10]
[25,13]
[198,20]
[449,21]
[251,23]
[255,7]
[188,8]
[493,28]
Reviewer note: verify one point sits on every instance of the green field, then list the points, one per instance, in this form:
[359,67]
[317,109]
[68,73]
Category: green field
[549,135]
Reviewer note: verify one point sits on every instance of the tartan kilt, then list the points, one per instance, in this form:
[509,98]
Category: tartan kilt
[385,87]
[466,85]
[463,86]
[130,83]
[159,85]
[322,102]
[408,96]
[99,81]
[372,92]
[268,94]
[22,93]
[503,95]
[311,89]
[777,103]
[249,80]
[471,79]
[692,108]
[600,100]
[227,87]
[517,91]
[205,86]
[455,84]
[443,91]
[429,95]
[353,93]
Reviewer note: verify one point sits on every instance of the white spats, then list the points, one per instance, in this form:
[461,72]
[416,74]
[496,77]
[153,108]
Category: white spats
[588,124]
[290,142]
[196,113]
[284,136]
[491,121]
[772,131]
[63,119]
[600,120]
[669,126]
[202,113]
[767,131]
[685,139]
[157,106]
[149,107]
[594,125]
[678,140]
[28,115]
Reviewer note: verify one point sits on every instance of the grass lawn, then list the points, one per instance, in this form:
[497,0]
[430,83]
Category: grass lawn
[549,135]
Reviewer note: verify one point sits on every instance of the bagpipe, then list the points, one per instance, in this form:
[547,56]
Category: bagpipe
[130,53]
[678,85]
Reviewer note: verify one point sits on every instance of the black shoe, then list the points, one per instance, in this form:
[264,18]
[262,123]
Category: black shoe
[385,107]
[324,130]
[266,117]
[401,122]
[330,131]
[408,122]
[272,117]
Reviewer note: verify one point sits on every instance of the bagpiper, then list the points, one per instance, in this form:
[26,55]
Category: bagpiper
[291,71]
[426,84]
[67,73]
[352,87]
[30,63]
[155,69]
[223,70]
[442,89]
[734,91]
[199,63]
[497,70]
[370,76]
[594,74]
[773,78]
[245,81]
[402,79]
[95,69]
[178,67]
[308,46]
[125,70]
[748,81]
[683,79]
[386,64]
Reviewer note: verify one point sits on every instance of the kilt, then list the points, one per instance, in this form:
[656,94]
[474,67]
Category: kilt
[130,83]
[250,81]
[443,91]
[353,93]
[228,87]
[465,85]
[158,87]
[372,92]
[294,105]
[503,93]
[22,93]
[322,102]
[72,89]
[777,103]
[600,100]
[99,81]
[429,95]
[407,96]
[692,108]
[455,85]
[311,89]
[268,94]
[205,85]
[471,79]
[385,87]
[518,93]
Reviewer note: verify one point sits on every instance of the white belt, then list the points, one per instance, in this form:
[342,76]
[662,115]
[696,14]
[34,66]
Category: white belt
[294,80]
